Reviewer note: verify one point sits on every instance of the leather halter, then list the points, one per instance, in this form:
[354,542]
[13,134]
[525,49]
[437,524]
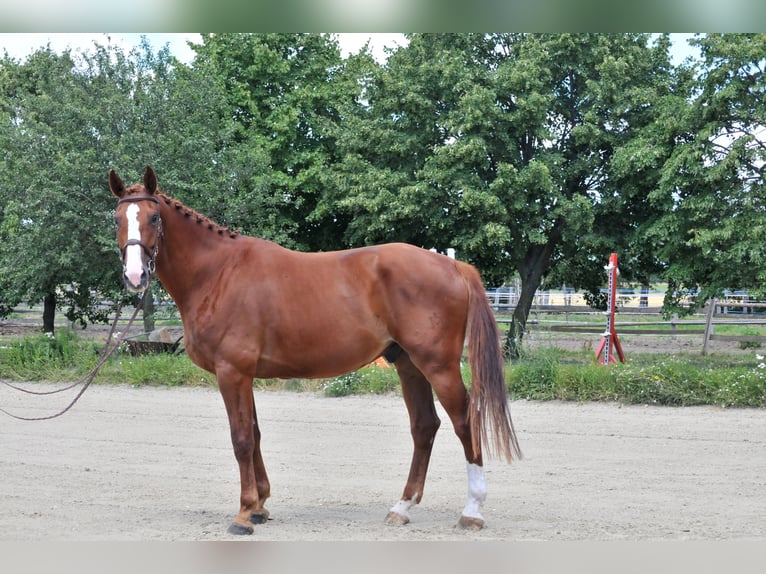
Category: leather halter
[152,253]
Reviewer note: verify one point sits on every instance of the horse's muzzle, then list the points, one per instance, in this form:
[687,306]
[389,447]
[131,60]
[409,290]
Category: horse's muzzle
[136,268]
[137,282]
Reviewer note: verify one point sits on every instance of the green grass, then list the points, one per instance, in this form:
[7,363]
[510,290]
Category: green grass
[372,379]
[44,357]
[646,379]
[158,370]
[550,374]
[67,357]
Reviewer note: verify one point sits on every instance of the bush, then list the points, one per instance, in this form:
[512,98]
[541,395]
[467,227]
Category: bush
[535,377]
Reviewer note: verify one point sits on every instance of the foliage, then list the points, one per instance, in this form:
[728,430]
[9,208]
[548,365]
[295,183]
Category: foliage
[283,93]
[66,357]
[646,379]
[52,231]
[712,235]
[534,155]
[159,370]
[502,146]
[67,119]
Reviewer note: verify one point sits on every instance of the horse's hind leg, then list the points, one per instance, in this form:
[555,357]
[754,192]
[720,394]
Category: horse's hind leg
[424,423]
[452,394]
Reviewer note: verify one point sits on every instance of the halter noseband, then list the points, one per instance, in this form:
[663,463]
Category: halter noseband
[152,253]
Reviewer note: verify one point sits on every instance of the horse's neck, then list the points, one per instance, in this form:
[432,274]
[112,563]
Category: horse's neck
[188,258]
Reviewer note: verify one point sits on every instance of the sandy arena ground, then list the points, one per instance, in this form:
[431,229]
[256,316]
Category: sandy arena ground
[156,464]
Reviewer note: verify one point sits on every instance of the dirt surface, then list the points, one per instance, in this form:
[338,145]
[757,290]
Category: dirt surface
[156,464]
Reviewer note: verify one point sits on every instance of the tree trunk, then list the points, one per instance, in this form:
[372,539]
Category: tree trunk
[49,312]
[532,269]
[512,346]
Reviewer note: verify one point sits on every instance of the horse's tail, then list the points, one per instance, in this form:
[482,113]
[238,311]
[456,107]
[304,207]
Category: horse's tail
[489,413]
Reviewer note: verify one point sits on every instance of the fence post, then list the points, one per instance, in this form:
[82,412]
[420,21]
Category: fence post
[708,324]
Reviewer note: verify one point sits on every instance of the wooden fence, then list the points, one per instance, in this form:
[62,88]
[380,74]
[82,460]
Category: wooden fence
[639,313]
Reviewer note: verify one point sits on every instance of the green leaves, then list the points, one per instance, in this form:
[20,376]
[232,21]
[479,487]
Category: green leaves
[533,155]
[713,182]
[67,120]
[49,138]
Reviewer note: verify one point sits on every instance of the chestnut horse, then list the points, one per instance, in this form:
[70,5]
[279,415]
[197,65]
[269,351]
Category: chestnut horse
[252,309]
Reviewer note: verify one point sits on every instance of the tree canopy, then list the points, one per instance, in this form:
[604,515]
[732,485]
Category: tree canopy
[712,233]
[53,229]
[529,154]
[532,155]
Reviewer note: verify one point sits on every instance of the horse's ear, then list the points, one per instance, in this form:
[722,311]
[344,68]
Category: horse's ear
[150,180]
[115,184]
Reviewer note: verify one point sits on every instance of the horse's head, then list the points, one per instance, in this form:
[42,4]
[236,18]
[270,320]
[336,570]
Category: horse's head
[139,228]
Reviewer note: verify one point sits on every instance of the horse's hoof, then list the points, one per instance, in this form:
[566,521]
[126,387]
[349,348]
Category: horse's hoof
[470,523]
[259,517]
[240,529]
[396,519]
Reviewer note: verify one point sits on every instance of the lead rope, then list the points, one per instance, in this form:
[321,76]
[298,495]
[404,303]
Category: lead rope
[87,379]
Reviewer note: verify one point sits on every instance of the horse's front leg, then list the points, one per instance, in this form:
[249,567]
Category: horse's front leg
[237,393]
[260,515]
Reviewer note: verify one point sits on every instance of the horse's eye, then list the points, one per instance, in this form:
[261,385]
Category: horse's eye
[155,218]
[117,221]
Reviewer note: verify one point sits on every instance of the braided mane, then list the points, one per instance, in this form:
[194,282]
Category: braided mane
[201,219]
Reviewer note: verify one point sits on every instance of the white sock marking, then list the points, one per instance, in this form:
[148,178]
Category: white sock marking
[477,491]
[402,508]
[133,264]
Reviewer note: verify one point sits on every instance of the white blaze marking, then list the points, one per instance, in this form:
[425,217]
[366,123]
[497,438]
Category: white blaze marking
[133,264]
[477,491]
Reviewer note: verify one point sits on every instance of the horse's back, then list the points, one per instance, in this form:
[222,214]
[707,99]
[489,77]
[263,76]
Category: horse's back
[321,314]
[398,269]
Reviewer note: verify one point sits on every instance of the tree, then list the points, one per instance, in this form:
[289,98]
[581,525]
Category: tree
[52,228]
[283,93]
[501,146]
[67,119]
[715,225]
[174,118]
